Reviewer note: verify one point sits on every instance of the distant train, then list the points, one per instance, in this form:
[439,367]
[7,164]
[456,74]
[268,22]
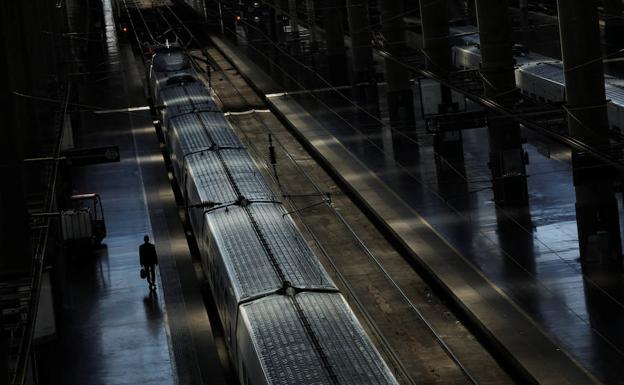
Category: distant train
[285,320]
[539,77]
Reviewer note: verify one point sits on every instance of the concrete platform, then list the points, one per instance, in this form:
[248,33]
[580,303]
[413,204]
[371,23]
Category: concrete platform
[421,340]
[522,289]
[114,330]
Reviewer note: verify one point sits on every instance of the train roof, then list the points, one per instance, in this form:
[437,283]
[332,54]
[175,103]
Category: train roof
[615,92]
[217,176]
[254,272]
[202,130]
[549,70]
[171,60]
[553,71]
[187,97]
[467,34]
[286,348]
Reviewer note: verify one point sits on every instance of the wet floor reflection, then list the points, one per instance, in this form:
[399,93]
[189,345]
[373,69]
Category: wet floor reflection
[151,303]
[112,327]
[531,253]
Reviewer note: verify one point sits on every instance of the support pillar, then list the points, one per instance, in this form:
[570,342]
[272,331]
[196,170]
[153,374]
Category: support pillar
[437,50]
[524,20]
[294,28]
[400,95]
[228,18]
[614,25]
[15,253]
[507,157]
[334,40]
[596,207]
[364,77]
[447,145]
[471,12]
[4,356]
[311,17]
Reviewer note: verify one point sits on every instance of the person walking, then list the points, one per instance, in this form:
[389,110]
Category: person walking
[149,260]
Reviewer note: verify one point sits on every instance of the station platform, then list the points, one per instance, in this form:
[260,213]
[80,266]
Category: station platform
[514,273]
[114,330]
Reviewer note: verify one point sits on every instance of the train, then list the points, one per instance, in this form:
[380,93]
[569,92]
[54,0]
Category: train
[538,77]
[285,321]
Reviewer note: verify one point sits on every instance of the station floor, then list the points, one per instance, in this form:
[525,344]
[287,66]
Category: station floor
[531,254]
[114,330]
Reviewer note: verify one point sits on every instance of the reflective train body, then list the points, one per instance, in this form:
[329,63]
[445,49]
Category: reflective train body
[284,319]
[538,76]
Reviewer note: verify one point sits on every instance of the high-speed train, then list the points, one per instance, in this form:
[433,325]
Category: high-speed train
[284,319]
[537,76]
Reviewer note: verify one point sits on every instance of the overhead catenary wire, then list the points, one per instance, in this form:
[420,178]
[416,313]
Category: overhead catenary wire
[506,114]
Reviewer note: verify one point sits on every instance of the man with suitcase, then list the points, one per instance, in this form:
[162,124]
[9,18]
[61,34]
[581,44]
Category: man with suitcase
[149,260]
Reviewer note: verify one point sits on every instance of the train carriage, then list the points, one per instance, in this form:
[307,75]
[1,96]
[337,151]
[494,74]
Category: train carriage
[253,251]
[275,346]
[209,175]
[195,132]
[543,81]
[183,96]
[284,319]
[615,95]
[168,63]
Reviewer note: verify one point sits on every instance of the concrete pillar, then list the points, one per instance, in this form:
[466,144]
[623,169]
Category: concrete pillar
[435,29]
[596,207]
[614,24]
[4,356]
[295,48]
[412,8]
[471,11]
[400,96]
[524,20]
[437,50]
[227,11]
[15,253]
[364,77]
[311,18]
[507,158]
[332,11]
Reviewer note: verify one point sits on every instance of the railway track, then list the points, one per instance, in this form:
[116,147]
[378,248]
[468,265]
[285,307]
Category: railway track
[380,298]
[386,294]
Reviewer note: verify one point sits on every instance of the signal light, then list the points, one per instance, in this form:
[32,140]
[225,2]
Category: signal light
[124,29]
[238,18]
